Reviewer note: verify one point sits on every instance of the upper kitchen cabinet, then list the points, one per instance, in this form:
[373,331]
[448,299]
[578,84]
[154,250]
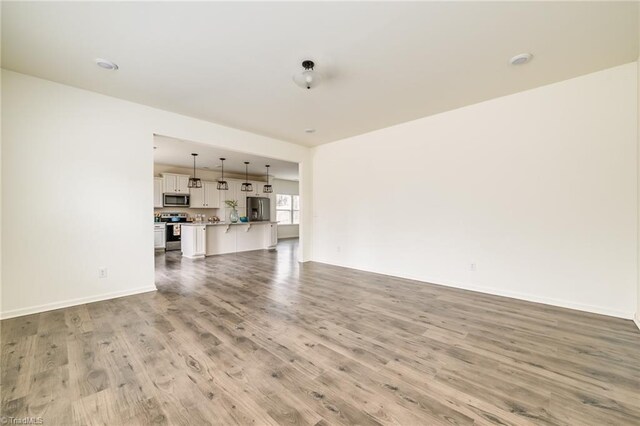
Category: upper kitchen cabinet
[207,197]
[175,184]
[157,192]
[257,190]
[234,193]
[211,195]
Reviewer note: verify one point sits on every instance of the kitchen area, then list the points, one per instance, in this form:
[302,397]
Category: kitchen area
[224,203]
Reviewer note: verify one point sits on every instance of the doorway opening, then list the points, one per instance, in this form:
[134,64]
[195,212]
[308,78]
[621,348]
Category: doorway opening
[221,202]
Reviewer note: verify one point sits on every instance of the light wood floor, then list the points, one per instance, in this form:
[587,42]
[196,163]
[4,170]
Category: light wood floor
[254,338]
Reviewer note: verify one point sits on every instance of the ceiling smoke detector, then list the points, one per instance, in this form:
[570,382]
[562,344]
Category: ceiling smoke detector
[307,78]
[107,65]
[521,59]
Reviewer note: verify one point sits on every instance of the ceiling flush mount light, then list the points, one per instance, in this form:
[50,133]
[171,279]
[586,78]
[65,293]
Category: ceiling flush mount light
[222,184]
[521,59]
[246,186]
[194,182]
[107,65]
[307,78]
[267,188]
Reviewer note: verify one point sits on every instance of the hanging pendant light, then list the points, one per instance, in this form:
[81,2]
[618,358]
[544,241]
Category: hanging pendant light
[194,182]
[246,186]
[267,188]
[222,184]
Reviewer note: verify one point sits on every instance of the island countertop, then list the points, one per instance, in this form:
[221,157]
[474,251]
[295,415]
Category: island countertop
[208,239]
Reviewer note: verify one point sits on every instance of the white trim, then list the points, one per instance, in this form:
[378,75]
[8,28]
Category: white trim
[636,319]
[73,302]
[499,292]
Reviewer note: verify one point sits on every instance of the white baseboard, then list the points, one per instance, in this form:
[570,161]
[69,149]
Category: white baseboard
[500,292]
[73,302]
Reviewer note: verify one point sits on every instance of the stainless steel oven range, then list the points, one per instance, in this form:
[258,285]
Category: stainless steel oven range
[174,231]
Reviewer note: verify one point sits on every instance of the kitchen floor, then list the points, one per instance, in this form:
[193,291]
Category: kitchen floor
[257,338]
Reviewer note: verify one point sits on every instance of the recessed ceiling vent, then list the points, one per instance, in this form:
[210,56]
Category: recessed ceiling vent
[107,65]
[521,59]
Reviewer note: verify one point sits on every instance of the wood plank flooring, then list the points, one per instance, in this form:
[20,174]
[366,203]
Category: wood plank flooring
[256,338]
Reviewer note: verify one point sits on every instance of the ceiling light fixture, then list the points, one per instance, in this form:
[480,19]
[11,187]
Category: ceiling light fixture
[267,188]
[194,182]
[246,186]
[307,78]
[222,184]
[521,59]
[107,65]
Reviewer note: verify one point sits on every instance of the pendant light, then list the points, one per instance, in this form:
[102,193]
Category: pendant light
[222,184]
[246,186]
[267,188]
[194,182]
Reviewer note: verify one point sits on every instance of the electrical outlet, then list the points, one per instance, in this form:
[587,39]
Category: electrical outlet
[102,272]
[472,266]
[338,248]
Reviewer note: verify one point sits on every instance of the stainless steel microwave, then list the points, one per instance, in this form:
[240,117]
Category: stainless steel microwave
[176,200]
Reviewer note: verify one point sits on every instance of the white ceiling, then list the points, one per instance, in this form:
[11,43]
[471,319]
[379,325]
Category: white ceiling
[384,63]
[176,152]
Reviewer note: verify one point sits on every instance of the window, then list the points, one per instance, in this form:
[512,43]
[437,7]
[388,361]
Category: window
[287,209]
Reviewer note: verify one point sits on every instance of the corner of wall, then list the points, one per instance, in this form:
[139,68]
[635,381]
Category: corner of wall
[637,316]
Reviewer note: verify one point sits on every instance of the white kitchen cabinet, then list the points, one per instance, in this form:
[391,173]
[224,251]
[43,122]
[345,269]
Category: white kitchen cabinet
[229,194]
[211,196]
[183,184]
[170,183]
[197,198]
[193,240]
[257,190]
[233,193]
[207,197]
[157,192]
[175,184]
[159,236]
[244,194]
[200,240]
[241,197]
[271,235]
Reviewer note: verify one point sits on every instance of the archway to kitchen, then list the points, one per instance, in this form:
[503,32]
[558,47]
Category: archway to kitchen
[199,220]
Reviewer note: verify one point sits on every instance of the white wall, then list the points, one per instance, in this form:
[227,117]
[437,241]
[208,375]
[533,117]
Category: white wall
[289,187]
[637,316]
[537,189]
[77,190]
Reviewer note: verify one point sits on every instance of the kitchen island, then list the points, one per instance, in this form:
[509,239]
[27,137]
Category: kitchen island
[208,239]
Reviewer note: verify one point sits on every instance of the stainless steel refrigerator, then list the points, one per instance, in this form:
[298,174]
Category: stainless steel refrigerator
[258,209]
